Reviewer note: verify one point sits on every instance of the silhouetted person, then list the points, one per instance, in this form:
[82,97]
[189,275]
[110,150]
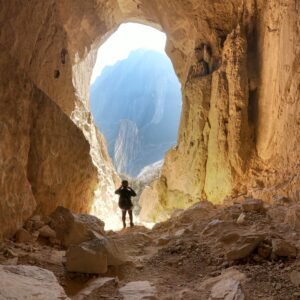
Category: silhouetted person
[125,203]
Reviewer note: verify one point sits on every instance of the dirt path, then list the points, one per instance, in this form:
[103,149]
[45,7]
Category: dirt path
[182,256]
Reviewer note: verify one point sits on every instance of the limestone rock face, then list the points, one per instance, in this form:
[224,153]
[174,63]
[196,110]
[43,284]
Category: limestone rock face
[45,157]
[231,141]
[17,201]
[59,165]
[238,62]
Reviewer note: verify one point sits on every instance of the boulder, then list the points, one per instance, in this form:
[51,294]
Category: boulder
[243,247]
[72,229]
[163,241]
[29,282]
[227,289]
[138,290]
[23,236]
[252,205]
[277,213]
[224,286]
[47,232]
[293,217]
[229,237]
[93,256]
[96,289]
[87,257]
[283,248]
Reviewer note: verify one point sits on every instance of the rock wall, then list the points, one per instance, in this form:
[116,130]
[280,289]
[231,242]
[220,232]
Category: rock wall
[239,128]
[17,201]
[59,164]
[238,62]
[45,159]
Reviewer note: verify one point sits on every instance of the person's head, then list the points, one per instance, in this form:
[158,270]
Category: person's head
[124,183]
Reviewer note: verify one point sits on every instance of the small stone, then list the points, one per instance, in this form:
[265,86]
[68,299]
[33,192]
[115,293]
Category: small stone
[37,225]
[162,241]
[282,248]
[180,232]
[257,258]
[225,264]
[47,232]
[295,278]
[139,267]
[293,217]
[10,253]
[296,294]
[211,226]
[241,219]
[264,250]
[10,261]
[36,218]
[35,234]
[227,289]
[23,236]
[138,290]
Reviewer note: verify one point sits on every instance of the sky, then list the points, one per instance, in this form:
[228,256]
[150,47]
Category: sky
[128,37]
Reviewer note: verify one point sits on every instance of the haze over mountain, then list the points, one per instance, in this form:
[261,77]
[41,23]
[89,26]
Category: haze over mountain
[136,103]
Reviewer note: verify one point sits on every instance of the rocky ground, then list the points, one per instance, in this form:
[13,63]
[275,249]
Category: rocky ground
[246,250]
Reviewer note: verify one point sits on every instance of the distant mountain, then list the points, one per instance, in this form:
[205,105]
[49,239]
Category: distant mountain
[136,103]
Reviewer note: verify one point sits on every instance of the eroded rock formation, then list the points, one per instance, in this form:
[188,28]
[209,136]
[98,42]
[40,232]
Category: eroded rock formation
[238,62]
[231,140]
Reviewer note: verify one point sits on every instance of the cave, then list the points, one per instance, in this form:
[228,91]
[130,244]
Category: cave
[135,101]
[238,64]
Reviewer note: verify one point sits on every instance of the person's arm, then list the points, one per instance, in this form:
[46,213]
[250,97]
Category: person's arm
[133,193]
[118,191]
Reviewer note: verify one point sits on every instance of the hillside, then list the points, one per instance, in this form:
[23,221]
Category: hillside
[136,103]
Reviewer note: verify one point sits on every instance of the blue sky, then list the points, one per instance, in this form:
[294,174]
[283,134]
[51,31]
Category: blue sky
[128,37]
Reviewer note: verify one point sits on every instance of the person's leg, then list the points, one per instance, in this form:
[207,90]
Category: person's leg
[124,217]
[130,217]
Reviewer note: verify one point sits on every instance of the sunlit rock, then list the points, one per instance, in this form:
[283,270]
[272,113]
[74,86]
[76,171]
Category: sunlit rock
[29,282]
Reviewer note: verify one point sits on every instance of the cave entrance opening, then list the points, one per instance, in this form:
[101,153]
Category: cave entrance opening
[135,101]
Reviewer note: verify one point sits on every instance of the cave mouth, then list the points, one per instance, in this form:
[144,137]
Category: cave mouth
[135,101]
